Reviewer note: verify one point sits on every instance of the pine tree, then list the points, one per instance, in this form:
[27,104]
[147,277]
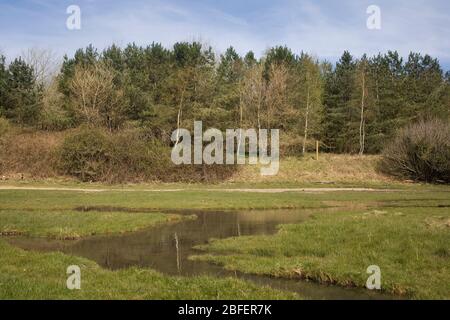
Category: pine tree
[339,88]
[230,73]
[3,84]
[23,97]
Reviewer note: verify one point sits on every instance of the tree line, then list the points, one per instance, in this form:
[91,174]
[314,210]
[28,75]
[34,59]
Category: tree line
[353,106]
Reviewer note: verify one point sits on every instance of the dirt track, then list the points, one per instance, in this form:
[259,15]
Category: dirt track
[255,190]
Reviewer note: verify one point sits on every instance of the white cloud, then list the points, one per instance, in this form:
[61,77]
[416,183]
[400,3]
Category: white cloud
[320,27]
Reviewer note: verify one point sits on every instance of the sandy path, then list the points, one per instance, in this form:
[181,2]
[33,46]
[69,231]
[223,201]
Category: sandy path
[255,190]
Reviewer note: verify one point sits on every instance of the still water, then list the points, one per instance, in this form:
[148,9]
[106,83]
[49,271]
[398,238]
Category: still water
[166,248]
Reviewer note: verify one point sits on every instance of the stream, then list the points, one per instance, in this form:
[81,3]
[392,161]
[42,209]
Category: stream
[166,248]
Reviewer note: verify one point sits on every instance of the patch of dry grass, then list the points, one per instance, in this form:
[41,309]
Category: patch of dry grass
[32,155]
[330,168]
[29,154]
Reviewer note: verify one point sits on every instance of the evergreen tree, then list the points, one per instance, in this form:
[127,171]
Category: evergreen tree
[387,74]
[339,88]
[276,56]
[3,84]
[229,76]
[23,97]
[355,106]
[423,77]
[250,60]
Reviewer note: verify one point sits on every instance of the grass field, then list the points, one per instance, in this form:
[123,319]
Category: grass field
[211,198]
[410,245]
[70,225]
[403,228]
[28,275]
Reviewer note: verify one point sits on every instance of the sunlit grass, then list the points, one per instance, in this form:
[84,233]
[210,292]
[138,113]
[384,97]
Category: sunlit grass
[76,224]
[410,245]
[405,232]
[30,275]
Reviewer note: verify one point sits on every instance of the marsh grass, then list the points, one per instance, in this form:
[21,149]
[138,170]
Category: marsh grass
[31,275]
[405,232]
[70,225]
[337,248]
[191,197]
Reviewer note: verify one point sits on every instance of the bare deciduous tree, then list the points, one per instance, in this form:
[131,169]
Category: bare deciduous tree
[44,63]
[252,92]
[276,93]
[95,97]
[310,96]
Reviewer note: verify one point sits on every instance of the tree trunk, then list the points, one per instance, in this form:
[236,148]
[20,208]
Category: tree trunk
[240,124]
[259,109]
[362,133]
[305,137]
[180,113]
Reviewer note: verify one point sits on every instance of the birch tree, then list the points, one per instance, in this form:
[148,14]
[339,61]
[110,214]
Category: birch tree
[95,97]
[252,90]
[44,63]
[362,84]
[309,96]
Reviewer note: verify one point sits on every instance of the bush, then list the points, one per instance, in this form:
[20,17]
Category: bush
[128,156]
[53,116]
[137,158]
[86,154]
[420,152]
[4,127]
[95,155]
[28,153]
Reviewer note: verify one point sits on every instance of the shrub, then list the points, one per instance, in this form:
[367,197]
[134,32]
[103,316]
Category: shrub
[420,152]
[128,156]
[86,154]
[53,116]
[95,96]
[137,157]
[28,153]
[4,127]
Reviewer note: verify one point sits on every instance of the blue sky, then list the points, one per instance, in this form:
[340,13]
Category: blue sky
[322,27]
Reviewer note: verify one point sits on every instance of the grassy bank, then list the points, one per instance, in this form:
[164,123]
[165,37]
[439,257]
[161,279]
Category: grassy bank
[32,275]
[410,245]
[29,275]
[405,232]
[75,224]
[35,155]
[328,169]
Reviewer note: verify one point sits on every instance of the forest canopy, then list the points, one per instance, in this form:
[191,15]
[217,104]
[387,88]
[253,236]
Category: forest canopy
[352,106]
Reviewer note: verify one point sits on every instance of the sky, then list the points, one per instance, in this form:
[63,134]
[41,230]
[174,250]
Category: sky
[324,28]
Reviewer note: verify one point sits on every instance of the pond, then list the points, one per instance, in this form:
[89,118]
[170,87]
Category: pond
[166,248]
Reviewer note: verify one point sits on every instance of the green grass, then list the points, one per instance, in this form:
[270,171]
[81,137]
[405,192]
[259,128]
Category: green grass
[407,237]
[410,245]
[216,200]
[75,224]
[30,275]
[238,183]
